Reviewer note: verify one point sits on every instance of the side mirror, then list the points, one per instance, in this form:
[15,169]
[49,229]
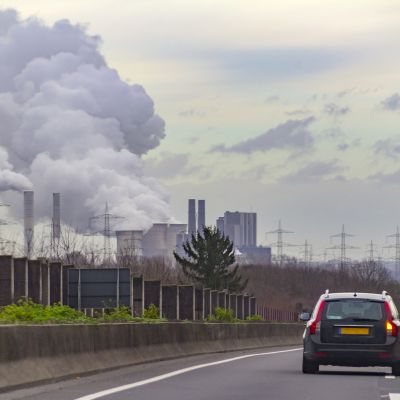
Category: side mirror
[304,316]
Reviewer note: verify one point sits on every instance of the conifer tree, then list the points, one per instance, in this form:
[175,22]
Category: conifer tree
[209,258]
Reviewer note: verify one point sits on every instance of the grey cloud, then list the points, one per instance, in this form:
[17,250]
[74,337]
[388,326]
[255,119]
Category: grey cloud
[168,166]
[342,146]
[335,110]
[333,133]
[272,99]
[389,147]
[392,102]
[389,178]
[255,173]
[293,135]
[8,18]
[314,172]
[192,113]
[298,112]
[345,92]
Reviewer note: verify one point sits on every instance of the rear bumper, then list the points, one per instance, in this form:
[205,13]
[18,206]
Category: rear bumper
[352,355]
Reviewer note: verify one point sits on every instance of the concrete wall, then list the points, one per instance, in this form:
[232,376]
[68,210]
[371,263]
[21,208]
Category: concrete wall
[33,354]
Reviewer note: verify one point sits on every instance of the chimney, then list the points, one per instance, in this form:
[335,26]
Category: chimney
[201,217]
[28,222]
[56,223]
[192,217]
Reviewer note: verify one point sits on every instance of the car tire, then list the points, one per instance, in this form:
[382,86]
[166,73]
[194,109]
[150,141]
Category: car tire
[309,366]
[396,369]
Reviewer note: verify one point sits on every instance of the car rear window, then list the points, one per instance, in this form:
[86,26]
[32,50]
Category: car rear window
[355,309]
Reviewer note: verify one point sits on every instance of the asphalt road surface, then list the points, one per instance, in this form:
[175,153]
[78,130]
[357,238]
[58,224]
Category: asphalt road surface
[267,374]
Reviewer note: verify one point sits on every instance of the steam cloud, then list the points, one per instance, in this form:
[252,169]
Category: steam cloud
[69,124]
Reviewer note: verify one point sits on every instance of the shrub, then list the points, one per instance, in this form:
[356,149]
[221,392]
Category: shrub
[119,314]
[152,312]
[255,317]
[28,311]
[222,315]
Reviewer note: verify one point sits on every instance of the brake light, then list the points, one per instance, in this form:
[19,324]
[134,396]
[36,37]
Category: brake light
[391,327]
[315,324]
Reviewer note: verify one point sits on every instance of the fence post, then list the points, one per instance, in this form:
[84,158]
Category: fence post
[161,301]
[12,281]
[117,287]
[26,280]
[177,303]
[79,289]
[194,303]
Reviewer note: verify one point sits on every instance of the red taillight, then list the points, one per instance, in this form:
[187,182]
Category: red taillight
[391,328]
[315,324]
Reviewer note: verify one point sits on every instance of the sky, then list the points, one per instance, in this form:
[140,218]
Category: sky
[287,108]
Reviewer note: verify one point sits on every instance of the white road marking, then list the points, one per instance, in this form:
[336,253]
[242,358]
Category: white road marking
[394,396]
[390,377]
[175,373]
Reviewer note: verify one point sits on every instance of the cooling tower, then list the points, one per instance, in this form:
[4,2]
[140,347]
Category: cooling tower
[155,241]
[28,222]
[201,215]
[56,223]
[129,243]
[192,217]
[172,232]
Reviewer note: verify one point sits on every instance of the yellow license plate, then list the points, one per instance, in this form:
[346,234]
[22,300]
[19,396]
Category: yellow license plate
[354,331]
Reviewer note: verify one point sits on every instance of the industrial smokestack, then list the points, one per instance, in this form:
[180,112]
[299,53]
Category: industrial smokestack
[192,217]
[201,216]
[28,222]
[56,223]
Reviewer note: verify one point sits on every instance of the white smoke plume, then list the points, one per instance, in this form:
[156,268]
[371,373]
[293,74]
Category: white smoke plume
[69,124]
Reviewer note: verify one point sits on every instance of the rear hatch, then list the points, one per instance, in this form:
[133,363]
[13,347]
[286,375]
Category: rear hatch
[353,321]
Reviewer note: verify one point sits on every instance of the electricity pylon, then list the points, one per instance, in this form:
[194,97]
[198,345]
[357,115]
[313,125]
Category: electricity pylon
[280,244]
[397,247]
[107,232]
[343,247]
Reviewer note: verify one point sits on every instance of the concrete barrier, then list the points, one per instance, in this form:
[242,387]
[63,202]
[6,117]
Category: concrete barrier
[32,354]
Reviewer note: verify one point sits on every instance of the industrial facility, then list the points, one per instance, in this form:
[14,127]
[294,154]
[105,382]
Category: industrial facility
[161,240]
[241,228]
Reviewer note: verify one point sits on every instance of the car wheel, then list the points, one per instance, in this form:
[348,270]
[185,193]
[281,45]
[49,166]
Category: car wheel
[309,366]
[396,370]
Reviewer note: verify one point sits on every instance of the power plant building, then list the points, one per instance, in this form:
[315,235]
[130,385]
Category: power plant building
[192,229]
[240,227]
[201,215]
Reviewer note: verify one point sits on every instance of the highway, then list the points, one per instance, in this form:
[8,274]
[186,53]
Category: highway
[262,374]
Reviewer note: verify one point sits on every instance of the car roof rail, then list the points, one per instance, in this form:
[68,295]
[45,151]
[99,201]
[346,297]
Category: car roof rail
[326,295]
